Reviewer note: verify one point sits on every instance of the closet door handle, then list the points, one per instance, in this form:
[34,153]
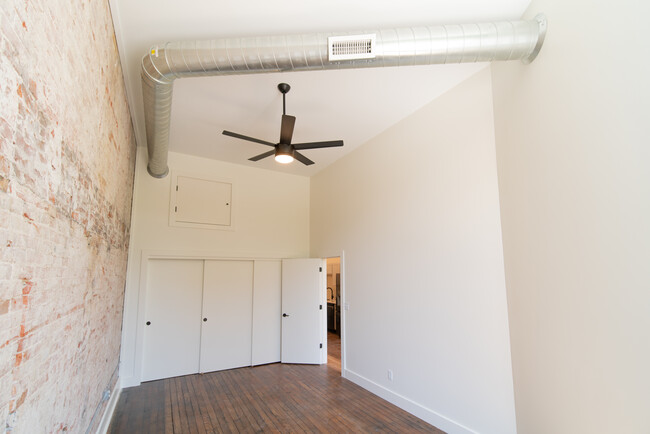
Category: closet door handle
[148,322]
[205,319]
[285,315]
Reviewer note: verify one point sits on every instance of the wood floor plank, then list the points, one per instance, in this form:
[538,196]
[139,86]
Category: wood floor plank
[155,404]
[265,421]
[208,417]
[273,398]
[223,403]
[180,423]
[246,418]
[137,419]
[169,420]
[194,405]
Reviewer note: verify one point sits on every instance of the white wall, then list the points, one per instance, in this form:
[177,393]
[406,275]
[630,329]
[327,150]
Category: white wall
[270,216]
[573,150]
[416,211]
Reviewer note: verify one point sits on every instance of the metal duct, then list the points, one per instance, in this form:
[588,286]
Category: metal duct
[461,43]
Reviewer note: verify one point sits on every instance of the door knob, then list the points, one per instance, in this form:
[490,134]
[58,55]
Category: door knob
[205,319]
[148,322]
[284,314]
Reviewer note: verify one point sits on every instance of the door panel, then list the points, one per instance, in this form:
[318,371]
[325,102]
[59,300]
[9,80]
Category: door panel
[267,312]
[301,300]
[173,309]
[228,313]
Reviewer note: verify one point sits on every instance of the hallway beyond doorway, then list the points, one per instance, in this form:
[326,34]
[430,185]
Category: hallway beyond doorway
[334,351]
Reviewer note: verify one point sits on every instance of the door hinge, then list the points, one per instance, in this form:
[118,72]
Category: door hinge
[320,307]
[320,269]
[175,209]
[321,345]
[177,188]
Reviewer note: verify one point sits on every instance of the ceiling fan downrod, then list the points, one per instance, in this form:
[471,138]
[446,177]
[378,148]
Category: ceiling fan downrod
[284,88]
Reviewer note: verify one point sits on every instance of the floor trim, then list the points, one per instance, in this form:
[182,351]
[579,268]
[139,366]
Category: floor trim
[110,409]
[428,415]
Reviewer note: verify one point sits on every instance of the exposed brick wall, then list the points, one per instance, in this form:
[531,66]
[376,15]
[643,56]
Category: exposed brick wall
[67,154]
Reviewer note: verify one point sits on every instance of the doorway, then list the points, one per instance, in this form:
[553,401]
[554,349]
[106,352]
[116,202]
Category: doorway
[334,313]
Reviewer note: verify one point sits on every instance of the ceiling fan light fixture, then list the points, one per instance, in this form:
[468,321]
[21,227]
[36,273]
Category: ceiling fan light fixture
[283,158]
[284,153]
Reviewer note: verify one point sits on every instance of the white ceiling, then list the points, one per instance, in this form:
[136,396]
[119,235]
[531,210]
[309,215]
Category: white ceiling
[352,105]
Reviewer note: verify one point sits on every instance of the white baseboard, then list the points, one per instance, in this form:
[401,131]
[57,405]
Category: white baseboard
[427,415]
[110,408]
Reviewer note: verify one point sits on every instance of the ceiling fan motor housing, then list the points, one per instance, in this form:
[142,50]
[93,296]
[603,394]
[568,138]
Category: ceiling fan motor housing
[284,149]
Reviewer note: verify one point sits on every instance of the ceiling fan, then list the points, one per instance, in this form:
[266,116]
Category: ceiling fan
[285,151]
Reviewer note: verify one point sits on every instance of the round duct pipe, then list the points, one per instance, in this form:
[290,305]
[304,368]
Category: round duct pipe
[458,43]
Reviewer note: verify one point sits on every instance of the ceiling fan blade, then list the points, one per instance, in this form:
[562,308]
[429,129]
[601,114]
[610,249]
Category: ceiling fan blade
[250,139]
[264,155]
[314,145]
[304,160]
[286,131]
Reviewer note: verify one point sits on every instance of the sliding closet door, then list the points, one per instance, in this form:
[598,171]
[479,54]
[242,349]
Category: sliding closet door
[227,315]
[172,318]
[267,312]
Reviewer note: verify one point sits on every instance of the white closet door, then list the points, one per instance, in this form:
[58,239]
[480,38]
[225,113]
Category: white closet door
[267,312]
[227,315]
[172,318]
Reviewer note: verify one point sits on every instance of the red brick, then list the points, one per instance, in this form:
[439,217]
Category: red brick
[65,196]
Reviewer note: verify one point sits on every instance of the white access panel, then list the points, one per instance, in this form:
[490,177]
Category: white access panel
[171,339]
[227,315]
[267,311]
[202,201]
[301,301]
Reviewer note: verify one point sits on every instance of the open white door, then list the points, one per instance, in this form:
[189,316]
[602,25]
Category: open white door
[301,310]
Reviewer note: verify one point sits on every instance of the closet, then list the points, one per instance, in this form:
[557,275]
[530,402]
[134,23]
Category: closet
[210,315]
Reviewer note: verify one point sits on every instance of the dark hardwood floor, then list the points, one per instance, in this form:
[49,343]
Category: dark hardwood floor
[269,398]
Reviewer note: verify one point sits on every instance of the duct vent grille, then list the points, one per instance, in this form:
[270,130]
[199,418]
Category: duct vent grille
[351,47]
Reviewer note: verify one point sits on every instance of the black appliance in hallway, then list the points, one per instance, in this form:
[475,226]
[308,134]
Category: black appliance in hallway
[334,307]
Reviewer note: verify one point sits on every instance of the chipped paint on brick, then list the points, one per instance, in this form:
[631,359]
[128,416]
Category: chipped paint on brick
[67,154]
